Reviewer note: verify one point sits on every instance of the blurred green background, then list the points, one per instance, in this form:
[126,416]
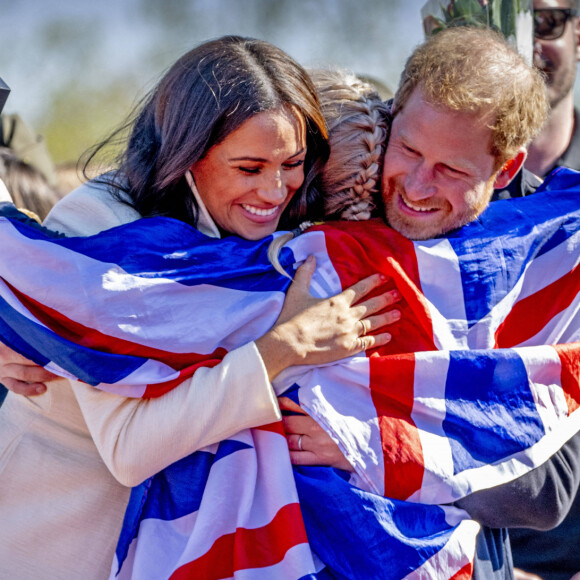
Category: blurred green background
[76,67]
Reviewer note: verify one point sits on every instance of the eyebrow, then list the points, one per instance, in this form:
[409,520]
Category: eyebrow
[262,160]
[461,165]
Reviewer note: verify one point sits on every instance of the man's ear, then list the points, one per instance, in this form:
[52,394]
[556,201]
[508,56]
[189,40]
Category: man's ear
[510,169]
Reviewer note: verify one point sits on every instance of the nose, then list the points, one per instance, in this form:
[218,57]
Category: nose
[272,188]
[420,182]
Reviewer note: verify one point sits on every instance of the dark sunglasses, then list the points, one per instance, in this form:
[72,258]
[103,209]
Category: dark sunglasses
[549,23]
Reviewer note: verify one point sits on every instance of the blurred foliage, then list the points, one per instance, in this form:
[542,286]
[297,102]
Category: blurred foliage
[83,97]
[82,117]
[499,14]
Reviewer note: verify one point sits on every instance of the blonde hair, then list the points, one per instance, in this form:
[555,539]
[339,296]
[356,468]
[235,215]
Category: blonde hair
[475,70]
[357,122]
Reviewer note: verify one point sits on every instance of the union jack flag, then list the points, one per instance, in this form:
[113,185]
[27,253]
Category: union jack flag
[479,385]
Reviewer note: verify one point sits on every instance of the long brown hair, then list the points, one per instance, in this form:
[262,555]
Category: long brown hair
[206,95]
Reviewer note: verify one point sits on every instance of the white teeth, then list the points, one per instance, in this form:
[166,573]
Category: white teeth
[259,211]
[414,208]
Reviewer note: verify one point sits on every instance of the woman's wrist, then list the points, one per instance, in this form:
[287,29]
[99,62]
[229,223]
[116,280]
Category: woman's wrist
[279,349]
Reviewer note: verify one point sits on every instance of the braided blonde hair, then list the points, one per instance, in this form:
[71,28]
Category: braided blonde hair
[358,122]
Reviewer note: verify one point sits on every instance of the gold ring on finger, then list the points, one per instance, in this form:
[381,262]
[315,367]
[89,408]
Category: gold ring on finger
[364,327]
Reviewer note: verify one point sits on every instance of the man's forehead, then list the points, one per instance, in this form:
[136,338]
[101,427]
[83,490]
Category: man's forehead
[420,102]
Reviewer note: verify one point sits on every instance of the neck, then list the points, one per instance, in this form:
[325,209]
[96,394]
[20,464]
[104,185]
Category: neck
[554,139]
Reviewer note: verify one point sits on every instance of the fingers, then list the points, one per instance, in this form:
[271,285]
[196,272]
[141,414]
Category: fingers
[371,341]
[26,379]
[359,290]
[304,273]
[22,388]
[301,425]
[372,323]
[304,458]
[287,404]
[377,303]
[320,450]
[28,373]
[296,442]
[364,327]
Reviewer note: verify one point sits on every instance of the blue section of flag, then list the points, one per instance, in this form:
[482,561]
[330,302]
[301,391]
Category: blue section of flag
[492,409]
[490,412]
[376,538]
[511,233]
[88,365]
[173,250]
[175,492]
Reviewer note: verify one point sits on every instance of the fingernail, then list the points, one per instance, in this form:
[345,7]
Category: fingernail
[396,314]
[382,277]
[310,259]
[395,294]
[40,390]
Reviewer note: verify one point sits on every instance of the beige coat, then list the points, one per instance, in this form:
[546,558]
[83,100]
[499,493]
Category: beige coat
[66,456]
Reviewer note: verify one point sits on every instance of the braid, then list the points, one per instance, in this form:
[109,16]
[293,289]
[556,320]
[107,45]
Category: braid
[357,124]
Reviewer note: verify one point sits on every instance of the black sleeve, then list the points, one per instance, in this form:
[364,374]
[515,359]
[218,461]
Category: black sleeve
[524,183]
[539,500]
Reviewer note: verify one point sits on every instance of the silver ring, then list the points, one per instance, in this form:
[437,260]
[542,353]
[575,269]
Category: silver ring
[300,443]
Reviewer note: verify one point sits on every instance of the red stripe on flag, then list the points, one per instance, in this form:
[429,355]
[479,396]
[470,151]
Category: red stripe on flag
[570,379]
[91,338]
[277,427]
[531,314]
[464,574]
[359,249]
[157,389]
[392,388]
[248,548]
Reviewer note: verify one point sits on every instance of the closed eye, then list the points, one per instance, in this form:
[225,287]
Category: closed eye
[453,170]
[409,150]
[294,164]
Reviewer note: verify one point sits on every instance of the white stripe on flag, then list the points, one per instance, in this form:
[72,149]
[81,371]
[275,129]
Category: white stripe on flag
[160,543]
[440,279]
[428,414]
[457,553]
[340,401]
[562,328]
[544,371]
[325,281]
[113,296]
[244,489]
[297,563]
[550,266]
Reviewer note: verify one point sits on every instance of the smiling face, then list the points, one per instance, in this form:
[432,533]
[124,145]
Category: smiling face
[438,171]
[248,180]
[558,58]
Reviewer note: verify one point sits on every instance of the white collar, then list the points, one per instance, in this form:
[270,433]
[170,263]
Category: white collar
[4,195]
[205,223]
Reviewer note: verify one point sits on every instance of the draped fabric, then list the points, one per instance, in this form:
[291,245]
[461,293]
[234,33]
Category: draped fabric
[479,385]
